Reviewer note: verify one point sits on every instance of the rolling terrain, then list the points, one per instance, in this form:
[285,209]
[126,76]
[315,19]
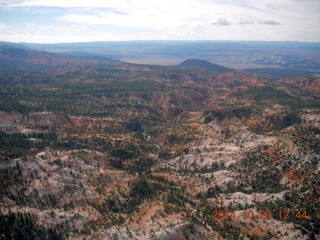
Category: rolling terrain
[97,148]
[282,59]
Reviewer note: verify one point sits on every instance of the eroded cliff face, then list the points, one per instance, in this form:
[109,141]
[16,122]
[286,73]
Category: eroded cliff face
[75,189]
[35,119]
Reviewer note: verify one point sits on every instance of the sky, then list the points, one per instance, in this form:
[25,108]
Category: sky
[54,21]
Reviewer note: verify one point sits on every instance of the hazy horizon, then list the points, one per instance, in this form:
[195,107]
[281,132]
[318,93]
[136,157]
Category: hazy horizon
[159,41]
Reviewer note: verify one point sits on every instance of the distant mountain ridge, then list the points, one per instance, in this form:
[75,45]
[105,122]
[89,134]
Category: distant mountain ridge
[12,58]
[197,63]
[12,45]
[293,58]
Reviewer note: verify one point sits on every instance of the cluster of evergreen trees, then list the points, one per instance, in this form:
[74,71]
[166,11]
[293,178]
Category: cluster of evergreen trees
[23,226]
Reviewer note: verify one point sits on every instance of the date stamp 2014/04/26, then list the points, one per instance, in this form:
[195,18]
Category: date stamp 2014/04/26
[263,214]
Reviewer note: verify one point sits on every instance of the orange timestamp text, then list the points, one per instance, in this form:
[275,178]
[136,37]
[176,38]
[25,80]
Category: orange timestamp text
[264,214]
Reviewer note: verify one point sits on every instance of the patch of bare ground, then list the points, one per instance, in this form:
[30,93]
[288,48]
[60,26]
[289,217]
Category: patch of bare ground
[61,187]
[207,167]
[210,159]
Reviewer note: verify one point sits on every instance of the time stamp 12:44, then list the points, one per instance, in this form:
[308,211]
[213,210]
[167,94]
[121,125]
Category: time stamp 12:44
[264,214]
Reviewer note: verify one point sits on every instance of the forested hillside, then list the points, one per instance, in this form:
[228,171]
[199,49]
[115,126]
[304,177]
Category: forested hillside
[102,149]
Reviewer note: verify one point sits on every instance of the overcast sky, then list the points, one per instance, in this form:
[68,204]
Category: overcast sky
[51,21]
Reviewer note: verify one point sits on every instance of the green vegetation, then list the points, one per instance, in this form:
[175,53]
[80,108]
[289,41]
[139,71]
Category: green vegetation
[138,118]
[23,226]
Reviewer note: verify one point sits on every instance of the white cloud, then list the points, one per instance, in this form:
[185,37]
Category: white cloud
[221,21]
[2,25]
[58,38]
[63,3]
[271,22]
[52,28]
[175,19]
[134,18]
